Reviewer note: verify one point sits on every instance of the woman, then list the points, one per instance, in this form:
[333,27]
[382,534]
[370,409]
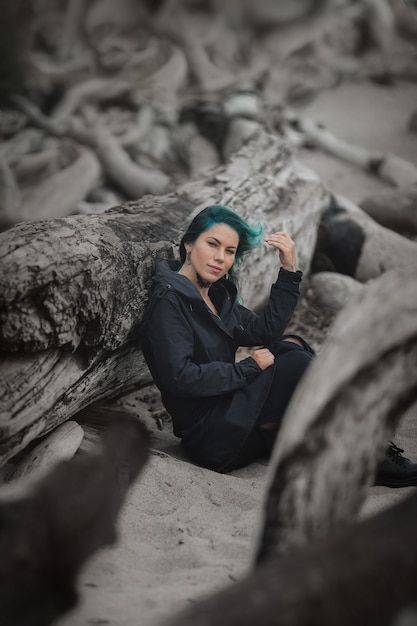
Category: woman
[227,414]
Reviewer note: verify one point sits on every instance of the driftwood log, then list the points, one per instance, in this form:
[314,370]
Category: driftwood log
[60,445]
[394,208]
[332,290]
[389,167]
[73,290]
[92,71]
[48,534]
[352,243]
[342,415]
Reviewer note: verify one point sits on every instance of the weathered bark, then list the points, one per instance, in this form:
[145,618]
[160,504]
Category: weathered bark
[41,391]
[342,416]
[74,289]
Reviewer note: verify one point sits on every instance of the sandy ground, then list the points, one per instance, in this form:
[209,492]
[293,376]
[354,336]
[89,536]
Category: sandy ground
[186,531]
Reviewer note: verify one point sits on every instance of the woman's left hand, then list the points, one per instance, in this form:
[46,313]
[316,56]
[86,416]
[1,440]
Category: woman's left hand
[286,248]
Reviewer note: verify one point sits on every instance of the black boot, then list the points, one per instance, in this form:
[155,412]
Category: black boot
[395,470]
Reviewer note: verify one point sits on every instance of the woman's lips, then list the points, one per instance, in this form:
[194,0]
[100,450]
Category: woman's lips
[215,269]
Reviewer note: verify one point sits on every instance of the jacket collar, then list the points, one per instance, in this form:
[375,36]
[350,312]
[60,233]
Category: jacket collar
[166,276]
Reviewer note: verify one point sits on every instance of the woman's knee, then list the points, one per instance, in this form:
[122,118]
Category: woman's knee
[294,340]
[292,365]
[288,345]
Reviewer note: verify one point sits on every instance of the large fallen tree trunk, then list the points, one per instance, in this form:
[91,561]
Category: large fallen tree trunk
[342,416]
[73,290]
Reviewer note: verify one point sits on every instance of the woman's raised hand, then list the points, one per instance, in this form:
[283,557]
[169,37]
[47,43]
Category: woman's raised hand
[286,248]
[263,357]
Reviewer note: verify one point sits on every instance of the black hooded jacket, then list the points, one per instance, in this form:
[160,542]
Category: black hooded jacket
[214,402]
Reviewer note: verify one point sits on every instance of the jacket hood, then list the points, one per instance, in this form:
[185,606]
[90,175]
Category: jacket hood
[167,277]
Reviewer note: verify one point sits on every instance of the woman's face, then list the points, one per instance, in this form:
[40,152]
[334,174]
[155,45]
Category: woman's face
[213,253]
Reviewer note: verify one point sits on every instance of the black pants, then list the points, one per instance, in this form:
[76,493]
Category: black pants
[291,361]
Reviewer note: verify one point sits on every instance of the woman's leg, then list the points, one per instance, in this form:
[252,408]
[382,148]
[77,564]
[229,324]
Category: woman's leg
[291,362]
[254,449]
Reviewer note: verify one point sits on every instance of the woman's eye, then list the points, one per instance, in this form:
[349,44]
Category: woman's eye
[212,244]
[230,252]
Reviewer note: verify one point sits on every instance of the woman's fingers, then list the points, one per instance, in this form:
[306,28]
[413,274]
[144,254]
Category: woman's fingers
[263,357]
[286,248]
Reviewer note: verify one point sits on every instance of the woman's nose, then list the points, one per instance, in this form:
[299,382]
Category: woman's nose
[220,254]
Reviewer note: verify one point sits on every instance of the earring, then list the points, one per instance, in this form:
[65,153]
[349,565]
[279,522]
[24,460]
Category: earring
[188,258]
[227,275]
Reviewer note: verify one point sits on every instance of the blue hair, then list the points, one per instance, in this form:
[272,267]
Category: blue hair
[249,237]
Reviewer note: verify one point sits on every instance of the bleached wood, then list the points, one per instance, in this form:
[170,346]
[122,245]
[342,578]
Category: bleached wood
[333,290]
[382,250]
[342,416]
[60,445]
[134,180]
[58,195]
[10,197]
[74,289]
[394,208]
[391,168]
[92,90]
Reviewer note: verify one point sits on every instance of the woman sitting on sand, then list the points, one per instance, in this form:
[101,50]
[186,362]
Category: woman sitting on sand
[226,413]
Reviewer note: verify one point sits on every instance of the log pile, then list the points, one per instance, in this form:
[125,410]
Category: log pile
[105,102]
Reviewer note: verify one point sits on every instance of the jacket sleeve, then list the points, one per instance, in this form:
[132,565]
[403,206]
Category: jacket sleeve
[274,319]
[169,348]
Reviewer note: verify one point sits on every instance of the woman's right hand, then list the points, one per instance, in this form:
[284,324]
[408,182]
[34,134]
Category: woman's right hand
[263,357]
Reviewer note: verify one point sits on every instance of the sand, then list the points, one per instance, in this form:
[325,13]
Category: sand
[187,531]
